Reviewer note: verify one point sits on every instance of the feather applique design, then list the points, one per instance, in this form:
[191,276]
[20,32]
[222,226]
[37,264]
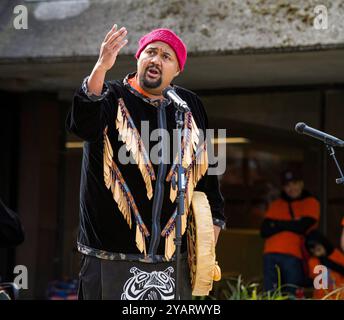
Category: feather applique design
[190,140]
[122,195]
[131,137]
[195,163]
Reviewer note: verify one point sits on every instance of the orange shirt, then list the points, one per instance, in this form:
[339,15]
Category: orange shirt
[134,83]
[335,279]
[343,222]
[286,242]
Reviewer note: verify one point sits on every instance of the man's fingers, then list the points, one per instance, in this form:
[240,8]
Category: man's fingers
[110,33]
[113,37]
[117,37]
[120,45]
[118,40]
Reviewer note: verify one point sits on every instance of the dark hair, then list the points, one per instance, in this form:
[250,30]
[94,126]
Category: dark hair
[316,237]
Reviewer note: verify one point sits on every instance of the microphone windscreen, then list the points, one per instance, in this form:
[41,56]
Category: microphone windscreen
[300,127]
[165,91]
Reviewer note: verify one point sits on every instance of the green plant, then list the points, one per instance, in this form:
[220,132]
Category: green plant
[235,288]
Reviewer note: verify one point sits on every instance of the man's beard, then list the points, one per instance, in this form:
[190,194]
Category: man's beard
[150,84]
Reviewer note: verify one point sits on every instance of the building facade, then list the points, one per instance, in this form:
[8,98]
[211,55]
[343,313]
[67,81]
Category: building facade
[259,66]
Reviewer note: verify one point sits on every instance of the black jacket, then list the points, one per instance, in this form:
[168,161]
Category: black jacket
[102,225]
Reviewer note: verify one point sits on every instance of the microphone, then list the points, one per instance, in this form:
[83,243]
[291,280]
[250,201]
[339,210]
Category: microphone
[171,94]
[302,128]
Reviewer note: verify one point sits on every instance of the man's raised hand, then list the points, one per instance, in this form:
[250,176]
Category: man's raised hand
[113,42]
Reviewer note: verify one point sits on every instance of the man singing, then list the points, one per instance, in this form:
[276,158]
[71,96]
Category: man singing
[128,208]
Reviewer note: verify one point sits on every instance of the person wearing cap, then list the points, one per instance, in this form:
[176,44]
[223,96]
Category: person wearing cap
[287,220]
[127,198]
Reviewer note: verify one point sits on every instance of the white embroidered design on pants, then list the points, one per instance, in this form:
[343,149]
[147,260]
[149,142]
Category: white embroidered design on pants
[156,285]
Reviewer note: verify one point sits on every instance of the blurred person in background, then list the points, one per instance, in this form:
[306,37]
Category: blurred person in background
[287,221]
[324,253]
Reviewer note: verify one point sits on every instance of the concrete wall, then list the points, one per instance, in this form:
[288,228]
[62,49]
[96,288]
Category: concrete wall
[76,28]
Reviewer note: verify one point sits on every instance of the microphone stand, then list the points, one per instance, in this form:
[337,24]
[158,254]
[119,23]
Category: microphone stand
[333,155]
[180,196]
